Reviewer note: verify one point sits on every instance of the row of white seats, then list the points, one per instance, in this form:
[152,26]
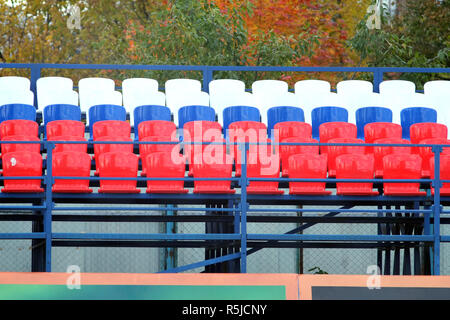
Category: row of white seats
[308,94]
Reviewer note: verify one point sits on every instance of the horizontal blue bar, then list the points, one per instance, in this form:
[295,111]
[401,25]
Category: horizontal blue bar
[341,180]
[311,237]
[22,236]
[22,207]
[148,236]
[128,208]
[445,238]
[145,179]
[343,210]
[203,263]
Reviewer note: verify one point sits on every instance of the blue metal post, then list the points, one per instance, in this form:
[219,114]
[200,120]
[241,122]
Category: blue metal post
[436,210]
[377,79]
[244,147]
[207,78]
[170,253]
[48,208]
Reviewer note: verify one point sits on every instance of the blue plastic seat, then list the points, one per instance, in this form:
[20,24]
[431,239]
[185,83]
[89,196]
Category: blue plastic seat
[321,115]
[17,111]
[195,113]
[409,116]
[147,113]
[56,112]
[239,113]
[105,112]
[371,114]
[282,114]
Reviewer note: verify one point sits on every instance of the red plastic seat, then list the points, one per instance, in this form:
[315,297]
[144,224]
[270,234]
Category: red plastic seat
[333,130]
[27,147]
[100,148]
[381,151]
[216,166]
[355,166]
[444,173]
[146,149]
[287,151]
[426,153]
[19,128]
[402,166]
[335,151]
[71,164]
[163,165]
[308,166]
[156,128]
[22,164]
[292,129]
[65,128]
[70,147]
[426,130]
[199,131]
[264,168]
[111,128]
[120,165]
[379,130]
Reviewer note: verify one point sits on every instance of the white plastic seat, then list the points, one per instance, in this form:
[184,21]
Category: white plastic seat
[89,87]
[182,92]
[437,95]
[266,93]
[219,92]
[307,92]
[353,95]
[100,97]
[14,83]
[135,92]
[55,90]
[397,95]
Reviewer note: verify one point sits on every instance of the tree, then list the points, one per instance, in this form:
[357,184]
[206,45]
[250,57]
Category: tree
[415,36]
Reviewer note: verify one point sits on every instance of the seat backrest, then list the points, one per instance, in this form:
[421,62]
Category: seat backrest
[118,164]
[69,147]
[355,166]
[149,112]
[100,148]
[292,129]
[13,147]
[308,166]
[26,164]
[138,86]
[19,128]
[162,165]
[288,150]
[17,112]
[116,128]
[87,85]
[410,116]
[55,90]
[331,130]
[326,114]
[379,130]
[437,88]
[16,97]
[396,95]
[427,130]
[220,89]
[14,83]
[283,114]
[269,93]
[201,131]
[71,164]
[96,98]
[105,112]
[195,113]
[156,128]
[65,128]
[353,95]
[247,131]
[240,113]
[368,115]
[380,151]
[402,166]
[335,151]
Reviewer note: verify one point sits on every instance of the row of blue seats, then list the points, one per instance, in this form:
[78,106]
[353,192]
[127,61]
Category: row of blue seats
[186,114]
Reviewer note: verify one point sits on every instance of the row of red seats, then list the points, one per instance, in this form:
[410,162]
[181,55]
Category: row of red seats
[117,164]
